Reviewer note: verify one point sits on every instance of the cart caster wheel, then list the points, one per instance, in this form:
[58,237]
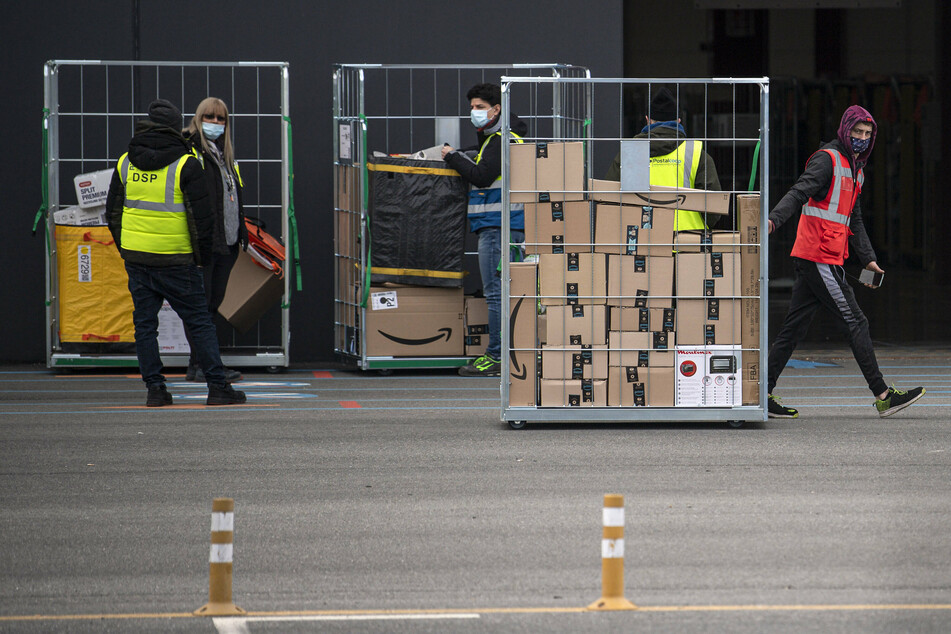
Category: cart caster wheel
[385,372]
[736,424]
[517,424]
[274,369]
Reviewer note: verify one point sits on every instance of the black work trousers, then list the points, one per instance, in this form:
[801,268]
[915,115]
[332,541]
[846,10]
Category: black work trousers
[824,285]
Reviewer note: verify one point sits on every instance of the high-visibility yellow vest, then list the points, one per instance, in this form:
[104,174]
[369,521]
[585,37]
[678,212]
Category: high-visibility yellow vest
[153,213]
[679,169]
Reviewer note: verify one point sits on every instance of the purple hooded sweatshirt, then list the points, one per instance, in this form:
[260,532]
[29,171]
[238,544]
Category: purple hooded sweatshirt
[853,115]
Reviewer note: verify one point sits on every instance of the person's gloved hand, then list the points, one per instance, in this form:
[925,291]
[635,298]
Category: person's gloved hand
[243,236]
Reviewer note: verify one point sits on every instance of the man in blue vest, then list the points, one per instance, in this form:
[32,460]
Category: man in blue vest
[161,220]
[675,161]
[481,166]
[827,197]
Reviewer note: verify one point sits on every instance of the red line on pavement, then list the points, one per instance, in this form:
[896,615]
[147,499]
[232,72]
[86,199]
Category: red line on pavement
[322,374]
[349,404]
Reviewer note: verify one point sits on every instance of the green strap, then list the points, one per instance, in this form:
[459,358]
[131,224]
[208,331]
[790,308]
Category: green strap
[291,218]
[755,165]
[366,220]
[45,177]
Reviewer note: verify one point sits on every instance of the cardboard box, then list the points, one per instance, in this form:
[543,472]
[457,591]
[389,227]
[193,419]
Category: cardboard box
[640,281]
[633,230]
[412,321]
[523,378]
[748,220]
[82,217]
[712,202]
[558,227]
[714,274]
[542,321]
[477,326]
[92,188]
[642,349]
[251,292]
[575,362]
[572,278]
[714,320]
[698,241]
[708,376]
[625,319]
[576,325]
[523,364]
[633,386]
[546,172]
[574,393]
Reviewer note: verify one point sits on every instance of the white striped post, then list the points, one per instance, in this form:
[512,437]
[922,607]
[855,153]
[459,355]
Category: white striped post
[220,561]
[612,557]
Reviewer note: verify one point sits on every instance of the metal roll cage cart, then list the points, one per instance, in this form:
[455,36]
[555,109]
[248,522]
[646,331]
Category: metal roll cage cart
[730,118]
[397,108]
[90,110]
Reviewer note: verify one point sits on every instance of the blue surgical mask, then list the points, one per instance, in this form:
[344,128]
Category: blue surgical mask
[212,130]
[479,118]
[859,145]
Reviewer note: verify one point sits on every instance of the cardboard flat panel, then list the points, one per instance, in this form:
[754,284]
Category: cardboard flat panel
[409,321]
[633,230]
[574,393]
[250,293]
[572,278]
[576,325]
[707,274]
[558,227]
[635,386]
[575,362]
[642,282]
[643,349]
[715,320]
[548,171]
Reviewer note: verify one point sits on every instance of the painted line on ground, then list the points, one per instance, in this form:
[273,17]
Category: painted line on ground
[248,408]
[848,607]
[349,404]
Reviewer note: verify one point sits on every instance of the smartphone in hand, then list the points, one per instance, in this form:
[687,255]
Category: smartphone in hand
[871,278]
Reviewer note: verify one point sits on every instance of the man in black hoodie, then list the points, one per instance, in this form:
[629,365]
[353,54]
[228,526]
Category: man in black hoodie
[481,166]
[161,220]
[830,220]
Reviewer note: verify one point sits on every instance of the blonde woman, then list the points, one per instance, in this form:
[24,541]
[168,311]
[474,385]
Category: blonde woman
[209,133]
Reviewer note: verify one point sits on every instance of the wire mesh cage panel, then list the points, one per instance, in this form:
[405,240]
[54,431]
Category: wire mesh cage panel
[642,294]
[389,115]
[91,109]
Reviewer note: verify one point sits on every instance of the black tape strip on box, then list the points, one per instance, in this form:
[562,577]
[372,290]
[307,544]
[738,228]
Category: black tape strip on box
[631,247]
[573,262]
[709,334]
[557,211]
[713,309]
[639,394]
[632,374]
[558,244]
[647,217]
[716,264]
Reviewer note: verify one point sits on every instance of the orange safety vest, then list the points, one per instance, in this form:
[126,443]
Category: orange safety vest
[823,233]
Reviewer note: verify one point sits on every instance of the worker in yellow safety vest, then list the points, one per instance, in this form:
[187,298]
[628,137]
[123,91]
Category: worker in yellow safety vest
[675,161]
[160,217]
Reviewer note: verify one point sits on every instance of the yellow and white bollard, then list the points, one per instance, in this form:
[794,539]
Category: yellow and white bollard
[612,557]
[220,561]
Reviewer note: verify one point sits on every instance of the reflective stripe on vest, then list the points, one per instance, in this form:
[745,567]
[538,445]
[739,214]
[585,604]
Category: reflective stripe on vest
[484,200]
[154,213]
[829,207]
[679,169]
[823,232]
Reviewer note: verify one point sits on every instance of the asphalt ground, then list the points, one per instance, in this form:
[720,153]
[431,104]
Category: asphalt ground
[401,503]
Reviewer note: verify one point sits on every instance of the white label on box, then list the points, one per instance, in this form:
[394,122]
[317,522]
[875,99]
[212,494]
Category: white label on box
[383,301]
[709,376]
[92,188]
[85,263]
[346,142]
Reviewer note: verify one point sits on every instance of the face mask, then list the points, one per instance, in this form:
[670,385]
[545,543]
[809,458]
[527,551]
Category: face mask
[212,130]
[859,145]
[479,118]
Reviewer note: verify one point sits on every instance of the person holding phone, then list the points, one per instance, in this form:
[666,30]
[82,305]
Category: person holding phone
[827,196]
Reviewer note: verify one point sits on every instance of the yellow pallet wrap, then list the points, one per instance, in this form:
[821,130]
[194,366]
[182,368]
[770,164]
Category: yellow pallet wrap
[94,300]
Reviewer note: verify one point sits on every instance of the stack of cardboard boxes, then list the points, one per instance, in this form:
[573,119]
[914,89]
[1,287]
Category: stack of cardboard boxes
[637,315]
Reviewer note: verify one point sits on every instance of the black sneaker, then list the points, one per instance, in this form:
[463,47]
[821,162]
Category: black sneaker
[778,410]
[158,396]
[226,395]
[897,400]
[194,373]
[483,366]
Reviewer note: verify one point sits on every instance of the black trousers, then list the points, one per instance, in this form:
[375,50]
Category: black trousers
[824,285]
[216,274]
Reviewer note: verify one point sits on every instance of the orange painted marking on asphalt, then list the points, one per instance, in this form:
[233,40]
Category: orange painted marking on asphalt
[322,374]
[350,404]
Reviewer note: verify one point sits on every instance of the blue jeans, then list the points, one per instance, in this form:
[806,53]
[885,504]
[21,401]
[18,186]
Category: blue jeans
[490,254]
[183,288]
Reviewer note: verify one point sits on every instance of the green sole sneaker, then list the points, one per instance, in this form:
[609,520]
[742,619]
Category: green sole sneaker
[897,400]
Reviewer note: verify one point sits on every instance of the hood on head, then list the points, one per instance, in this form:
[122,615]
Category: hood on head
[853,115]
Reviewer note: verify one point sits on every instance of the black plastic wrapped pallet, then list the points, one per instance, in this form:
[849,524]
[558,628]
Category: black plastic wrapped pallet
[417,222]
